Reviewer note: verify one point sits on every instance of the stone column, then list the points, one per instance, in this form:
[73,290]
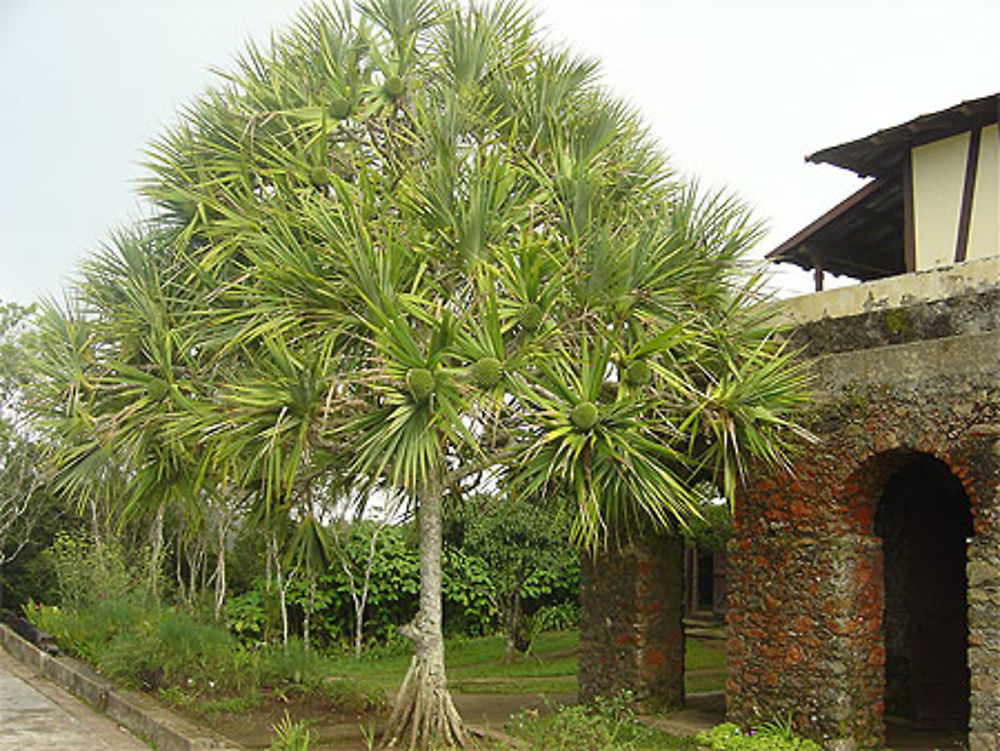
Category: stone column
[984,643]
[805,640]
[631,628]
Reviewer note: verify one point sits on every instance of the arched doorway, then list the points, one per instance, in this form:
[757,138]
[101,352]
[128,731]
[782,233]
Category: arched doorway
[924,520]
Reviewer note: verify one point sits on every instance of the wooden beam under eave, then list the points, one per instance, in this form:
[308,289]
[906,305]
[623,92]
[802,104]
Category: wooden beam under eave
[909,234]
[968,192]
[818,271]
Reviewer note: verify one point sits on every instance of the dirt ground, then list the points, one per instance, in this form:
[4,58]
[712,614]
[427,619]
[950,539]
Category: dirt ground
[339,731]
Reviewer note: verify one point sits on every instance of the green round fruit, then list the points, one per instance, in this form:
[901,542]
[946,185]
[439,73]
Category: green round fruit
[319,176]
[638,373]
[340,108]
[531,317]
[584,416]
[394,87]
[420,383]
[486,372]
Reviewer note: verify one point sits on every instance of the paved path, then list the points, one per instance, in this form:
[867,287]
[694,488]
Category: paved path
[35,714]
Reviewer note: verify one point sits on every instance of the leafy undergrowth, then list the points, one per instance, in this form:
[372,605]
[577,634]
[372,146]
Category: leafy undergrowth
[189,662]
[199,669]
[776,735]
[609,725]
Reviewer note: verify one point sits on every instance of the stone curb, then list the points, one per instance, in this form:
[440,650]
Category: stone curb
[132,710]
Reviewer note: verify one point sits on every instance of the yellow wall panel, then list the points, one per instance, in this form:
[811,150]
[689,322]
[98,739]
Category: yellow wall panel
[938,179]
[984,229]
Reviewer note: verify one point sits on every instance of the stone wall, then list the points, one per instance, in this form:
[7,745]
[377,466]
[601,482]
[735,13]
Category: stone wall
[631,629]
[804,618]
[806,566]
[907,370]
[984,641]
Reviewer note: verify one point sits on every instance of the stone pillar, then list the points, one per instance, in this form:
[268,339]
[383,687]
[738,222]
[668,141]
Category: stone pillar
[631,627]
[805,640]
[984,643]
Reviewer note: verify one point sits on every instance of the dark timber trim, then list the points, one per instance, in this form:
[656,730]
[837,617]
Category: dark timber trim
[849,203]
[968,193]
[909,234]
[818,270]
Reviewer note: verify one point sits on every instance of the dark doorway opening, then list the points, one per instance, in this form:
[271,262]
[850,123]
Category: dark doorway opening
[924,521]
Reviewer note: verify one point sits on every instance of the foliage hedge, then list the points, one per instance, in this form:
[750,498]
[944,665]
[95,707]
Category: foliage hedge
[467,583]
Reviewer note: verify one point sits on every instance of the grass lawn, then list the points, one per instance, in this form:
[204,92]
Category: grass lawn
[477,666]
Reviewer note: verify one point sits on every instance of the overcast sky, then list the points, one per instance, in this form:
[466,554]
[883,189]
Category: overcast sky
[737,91]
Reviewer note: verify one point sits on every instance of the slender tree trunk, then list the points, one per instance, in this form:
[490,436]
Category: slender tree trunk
[361,601]
[359,596]
[178,569]
[193,556]
[279,581]
[272,547]
[307,620]
[156,553]
[95,526]
[202,560]
[220,563]
[424,712]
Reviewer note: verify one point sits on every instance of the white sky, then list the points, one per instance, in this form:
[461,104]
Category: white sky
[737,91]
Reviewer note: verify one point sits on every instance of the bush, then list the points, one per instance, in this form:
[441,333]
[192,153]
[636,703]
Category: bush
[776,735]
[296,670]
[146,645]
[173,648]
[88,571]
[561,617]
[140,643]
[86,632]
[608,725]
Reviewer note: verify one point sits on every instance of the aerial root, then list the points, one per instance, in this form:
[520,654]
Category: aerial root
[424,712]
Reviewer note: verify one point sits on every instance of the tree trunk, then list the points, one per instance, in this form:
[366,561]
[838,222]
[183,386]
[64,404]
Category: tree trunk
[193,555]
[279,581]
[359,598]
[307,620]
[512,625]
[95,525]
[220,563]
[177,570]
[423,712]
[272,547]
[156,553]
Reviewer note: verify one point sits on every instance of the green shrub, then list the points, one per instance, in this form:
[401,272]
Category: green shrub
[607,725]
[291,667]
[87,572]
[776,735]
[247,616]
[87,631]
[172,648]
[561,617]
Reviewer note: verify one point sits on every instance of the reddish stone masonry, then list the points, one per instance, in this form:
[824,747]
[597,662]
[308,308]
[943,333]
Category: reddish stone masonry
[631,632]
[813,631]
[807,635]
